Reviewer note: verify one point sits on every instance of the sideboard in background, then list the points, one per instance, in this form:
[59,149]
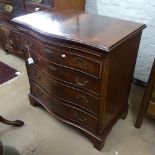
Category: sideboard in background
[14,8]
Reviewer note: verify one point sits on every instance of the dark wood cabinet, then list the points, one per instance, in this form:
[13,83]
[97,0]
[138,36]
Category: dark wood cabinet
[14,8]
[81,74]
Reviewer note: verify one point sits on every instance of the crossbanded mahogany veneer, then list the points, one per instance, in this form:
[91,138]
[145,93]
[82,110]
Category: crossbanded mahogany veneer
[14,8]
[81,66]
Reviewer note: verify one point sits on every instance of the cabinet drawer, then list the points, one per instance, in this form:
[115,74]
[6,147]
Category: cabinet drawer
[65,93]
[68,58]
[63,110]
[71,60]
[70,76]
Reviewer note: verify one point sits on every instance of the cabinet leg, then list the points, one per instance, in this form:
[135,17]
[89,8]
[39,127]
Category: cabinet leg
[99,144]
[139,121]
[33,102]
[125,113]
[7,52]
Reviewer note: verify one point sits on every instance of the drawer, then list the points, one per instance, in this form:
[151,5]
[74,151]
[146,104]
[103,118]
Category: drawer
[63,110]
[64,92]
[68,58]
[78,79]
[71,61]
[42,2]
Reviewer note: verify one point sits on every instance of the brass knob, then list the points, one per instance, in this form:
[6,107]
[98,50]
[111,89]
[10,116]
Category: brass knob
[80,62]
[83,98]
[8,8]
[37,1]
[80,118]
[84,83]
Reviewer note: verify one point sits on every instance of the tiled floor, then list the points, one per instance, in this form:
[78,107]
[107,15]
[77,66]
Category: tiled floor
[44,135]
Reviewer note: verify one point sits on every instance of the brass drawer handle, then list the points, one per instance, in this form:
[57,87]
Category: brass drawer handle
[47,51]
[37,1]
[8,8]
[82,97]
[80,62]
[81,83]
[80,119]
[53,83]
[52,68]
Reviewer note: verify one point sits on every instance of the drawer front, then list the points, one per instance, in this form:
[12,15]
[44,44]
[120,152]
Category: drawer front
[71,60]
[78,79]
[63,110]
[42,2]
[68,58]
[64,92]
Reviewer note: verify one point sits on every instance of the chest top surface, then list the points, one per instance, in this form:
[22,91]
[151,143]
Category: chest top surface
[94,30]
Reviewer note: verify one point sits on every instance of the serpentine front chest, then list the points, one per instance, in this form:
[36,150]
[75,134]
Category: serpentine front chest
[80,66]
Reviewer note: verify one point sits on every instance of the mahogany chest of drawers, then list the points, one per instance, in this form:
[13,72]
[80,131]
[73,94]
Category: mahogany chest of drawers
[14,8]
[80,66]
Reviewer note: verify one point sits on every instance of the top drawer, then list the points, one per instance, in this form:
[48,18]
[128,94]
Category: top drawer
[69,58]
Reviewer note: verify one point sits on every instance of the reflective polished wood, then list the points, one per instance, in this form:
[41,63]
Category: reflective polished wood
[80,66]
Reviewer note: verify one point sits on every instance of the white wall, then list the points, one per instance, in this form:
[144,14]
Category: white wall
[135,10]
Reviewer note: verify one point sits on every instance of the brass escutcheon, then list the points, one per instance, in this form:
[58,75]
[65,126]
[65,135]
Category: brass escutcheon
[8,8]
